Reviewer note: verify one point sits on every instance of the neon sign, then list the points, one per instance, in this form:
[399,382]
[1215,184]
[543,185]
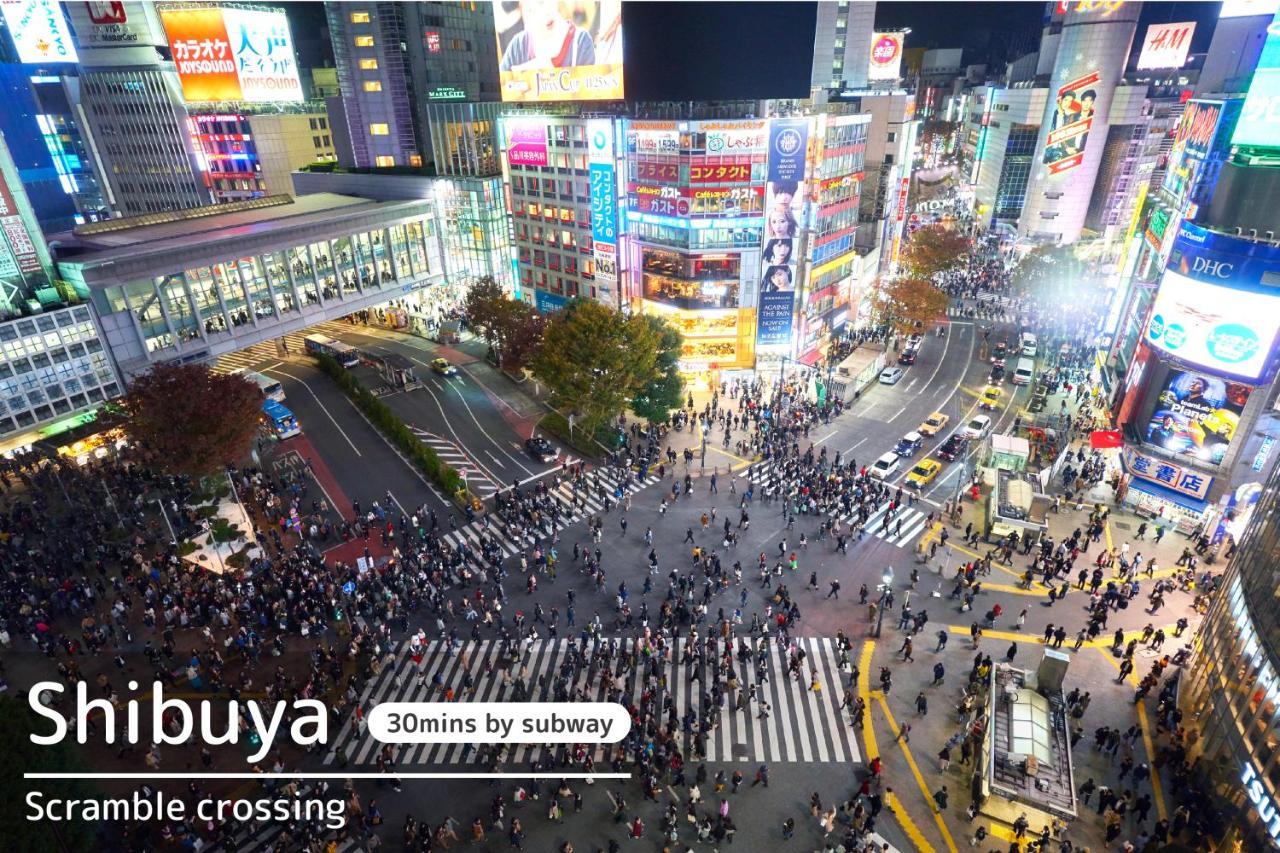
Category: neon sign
[1262,803]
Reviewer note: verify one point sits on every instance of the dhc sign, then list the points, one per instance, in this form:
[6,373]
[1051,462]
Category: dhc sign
[1262,804]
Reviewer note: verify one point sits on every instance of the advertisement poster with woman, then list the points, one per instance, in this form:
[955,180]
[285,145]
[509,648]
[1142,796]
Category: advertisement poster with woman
[1197,415]
[560,50]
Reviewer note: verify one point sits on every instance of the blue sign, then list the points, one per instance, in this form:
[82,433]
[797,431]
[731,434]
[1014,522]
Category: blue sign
[788,139]
[774,321]
[604,204]
[1263,452]
[548,302]
[348,587]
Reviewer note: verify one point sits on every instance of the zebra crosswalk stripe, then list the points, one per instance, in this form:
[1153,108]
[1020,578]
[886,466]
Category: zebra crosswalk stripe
[803,726]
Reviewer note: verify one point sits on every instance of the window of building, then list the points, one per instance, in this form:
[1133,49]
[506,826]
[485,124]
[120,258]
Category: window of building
[379,129]
[368,65]
[359,17]
[373,85]
[364,41]
[385,160]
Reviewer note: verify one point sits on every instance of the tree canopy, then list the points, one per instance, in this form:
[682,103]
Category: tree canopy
[908,303]
[665,390]
[596,361]
[511,327]
[191,420]
[931,250]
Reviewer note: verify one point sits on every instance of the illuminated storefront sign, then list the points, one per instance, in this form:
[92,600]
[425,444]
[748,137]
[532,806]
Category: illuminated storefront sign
[1166,45]
[549,54]
[732,173]
[735,138]
[113,24]
[659,172]
[446,93]
[604,202]
[39,30]
[23,253]
[1262,802]
[233,54]
[696,224]
[1071,122]
[697,201]
[1163,473]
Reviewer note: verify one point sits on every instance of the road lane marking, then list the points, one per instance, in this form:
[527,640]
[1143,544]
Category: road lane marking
[324,408]
[915,771]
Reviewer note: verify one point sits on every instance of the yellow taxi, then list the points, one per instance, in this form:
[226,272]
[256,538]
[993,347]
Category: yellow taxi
[934,424]
[923,472]
[990,398]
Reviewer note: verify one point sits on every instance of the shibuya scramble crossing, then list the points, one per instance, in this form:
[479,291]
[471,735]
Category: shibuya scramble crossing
[577,425]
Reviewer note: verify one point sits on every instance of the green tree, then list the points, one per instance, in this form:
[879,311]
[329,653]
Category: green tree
[484,308]
[595,360]
[665,390]
[931,250]
[909,303]
[191,420]
[17,723]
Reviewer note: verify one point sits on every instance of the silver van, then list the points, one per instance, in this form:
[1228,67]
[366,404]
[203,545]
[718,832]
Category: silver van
[1024,371]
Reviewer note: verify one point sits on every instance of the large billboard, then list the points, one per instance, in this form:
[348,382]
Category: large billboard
[1259,123]
[1166,45]
[604,202]
[1219,328]
[526,141]
[1196,415]
[554,50]
[1071,122]
[39,31]
[114,24]
[885,60]
[784,212]
[233,54]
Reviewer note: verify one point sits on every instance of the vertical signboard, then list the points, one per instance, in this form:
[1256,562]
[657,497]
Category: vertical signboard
[1071,122]
[885,59]
[604,202]
[39,31]
[526,142]
[784,211]
[22,249]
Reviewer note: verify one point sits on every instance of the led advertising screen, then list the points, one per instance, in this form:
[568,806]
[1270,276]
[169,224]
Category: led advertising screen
[39,31]
[784,211]
[1166,45]
[556,50]
[1071,122]
[1223,329]
[1191,143]
[1259,123]
[231,54]
[886,56]
[1196,415]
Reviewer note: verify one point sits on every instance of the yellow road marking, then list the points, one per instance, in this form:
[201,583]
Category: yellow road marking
[1145,726]
[730,455]
[872,750]
[924,788]
[1001,566]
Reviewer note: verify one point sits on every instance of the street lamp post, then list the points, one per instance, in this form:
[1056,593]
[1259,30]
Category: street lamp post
[706,427]
[885,586]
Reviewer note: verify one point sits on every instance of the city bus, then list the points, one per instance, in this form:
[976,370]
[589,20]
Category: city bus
[282,421]
[270,388]
[344,354]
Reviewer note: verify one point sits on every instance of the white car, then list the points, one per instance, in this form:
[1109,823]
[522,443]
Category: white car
[884,467]
[891,375]
[977,427]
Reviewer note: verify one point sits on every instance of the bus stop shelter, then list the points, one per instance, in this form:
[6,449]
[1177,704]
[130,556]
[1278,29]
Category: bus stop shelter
[396,371]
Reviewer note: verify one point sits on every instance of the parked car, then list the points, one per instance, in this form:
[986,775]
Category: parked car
[884,467]
[443,367]
[923,473]
[978,427]
[891,375]
[909,444]
[539,448]
[954,447]
[934,424]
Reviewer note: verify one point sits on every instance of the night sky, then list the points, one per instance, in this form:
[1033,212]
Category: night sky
[724,50]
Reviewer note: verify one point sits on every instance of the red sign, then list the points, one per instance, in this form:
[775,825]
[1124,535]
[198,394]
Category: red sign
[902,199]
[732,173]
[107,13]
[663,172]
[1103,439]
[433,42]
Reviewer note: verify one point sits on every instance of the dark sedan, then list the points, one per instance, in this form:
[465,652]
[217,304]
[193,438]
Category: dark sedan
[954,447]
[539,448]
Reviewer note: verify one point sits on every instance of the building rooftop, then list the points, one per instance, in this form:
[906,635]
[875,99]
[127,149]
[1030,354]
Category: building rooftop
[1030,744]
[165,232]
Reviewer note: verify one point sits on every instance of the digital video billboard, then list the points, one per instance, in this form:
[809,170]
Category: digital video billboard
[39,31]
[1071,122]
[232,54]
[1259,123]
[554,50]
[1197,415]
[1219,328]
[784,206]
